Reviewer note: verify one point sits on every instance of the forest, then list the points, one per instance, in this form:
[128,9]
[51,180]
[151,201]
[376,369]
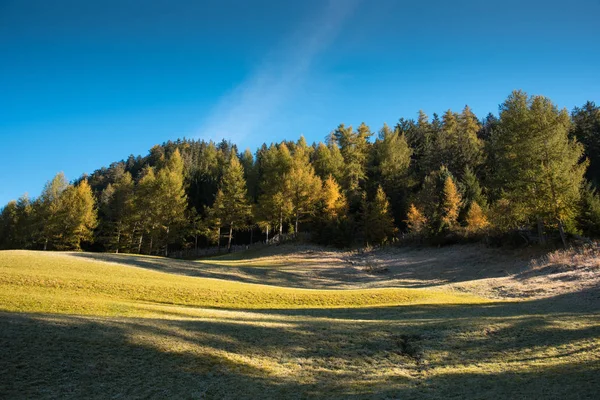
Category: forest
[527,176]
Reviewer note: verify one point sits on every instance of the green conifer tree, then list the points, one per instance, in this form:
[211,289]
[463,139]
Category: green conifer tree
[231,205]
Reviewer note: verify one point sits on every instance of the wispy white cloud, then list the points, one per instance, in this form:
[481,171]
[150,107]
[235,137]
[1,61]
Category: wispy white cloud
[241,113]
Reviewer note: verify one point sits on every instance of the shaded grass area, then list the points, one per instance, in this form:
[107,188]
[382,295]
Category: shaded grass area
[155,335]
[437,352]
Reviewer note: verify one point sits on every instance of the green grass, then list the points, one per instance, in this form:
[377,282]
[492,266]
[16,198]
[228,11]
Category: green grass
[78,328]
[58,283]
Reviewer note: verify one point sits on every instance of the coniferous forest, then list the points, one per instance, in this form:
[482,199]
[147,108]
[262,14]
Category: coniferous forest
[528,176]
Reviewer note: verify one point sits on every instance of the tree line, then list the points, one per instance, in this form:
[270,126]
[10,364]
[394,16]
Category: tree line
[532,170]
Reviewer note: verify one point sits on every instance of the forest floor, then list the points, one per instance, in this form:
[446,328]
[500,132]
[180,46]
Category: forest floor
[302,322]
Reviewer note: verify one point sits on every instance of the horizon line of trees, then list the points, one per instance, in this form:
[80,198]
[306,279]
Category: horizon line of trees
[535,168]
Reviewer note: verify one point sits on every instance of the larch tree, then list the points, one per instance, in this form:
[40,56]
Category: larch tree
[438,200]
[172,198]
[231,205]
[335,204]
[328,160]
[78,214]
[275,201]
[450,203]
[250,174]
[147,208]
[476,219]
[48,210]
[9,220]
[392,158]
[539,167]
[416,222]
[354,147]
[117,206]
[303,186]
[378,222]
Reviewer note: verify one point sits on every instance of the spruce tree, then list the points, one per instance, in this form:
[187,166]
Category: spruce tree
[586,129]
[588,219]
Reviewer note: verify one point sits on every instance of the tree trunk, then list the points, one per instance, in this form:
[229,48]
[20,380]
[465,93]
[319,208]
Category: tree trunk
[230,236]
[140,243]
[151,240]
[280,224]
[561,230]
[540,226]
[167,243]
[219,242]
[251,235]
[118,240]
[46,244]
[267,234]
[196,244]
[296,228]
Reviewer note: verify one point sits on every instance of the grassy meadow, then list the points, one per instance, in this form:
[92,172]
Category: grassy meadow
[77,325]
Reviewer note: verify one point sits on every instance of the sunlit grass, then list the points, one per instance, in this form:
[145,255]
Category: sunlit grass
[58,283]
[80,328]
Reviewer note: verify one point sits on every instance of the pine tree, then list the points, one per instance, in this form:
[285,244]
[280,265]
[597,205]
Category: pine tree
[231,205]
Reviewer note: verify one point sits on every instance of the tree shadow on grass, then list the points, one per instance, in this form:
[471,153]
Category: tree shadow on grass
[281,273]
[386,352]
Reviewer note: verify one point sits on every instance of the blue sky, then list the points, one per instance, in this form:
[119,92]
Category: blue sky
[85,83]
